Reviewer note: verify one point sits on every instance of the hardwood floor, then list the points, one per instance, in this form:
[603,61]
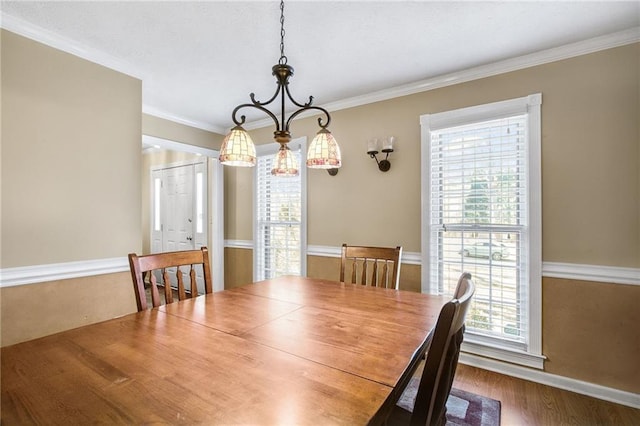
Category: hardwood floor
[529,403]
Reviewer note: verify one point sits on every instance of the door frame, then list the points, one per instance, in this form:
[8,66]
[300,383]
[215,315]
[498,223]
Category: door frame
[215,204]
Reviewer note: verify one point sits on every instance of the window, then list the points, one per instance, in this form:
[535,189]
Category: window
[157,186]
[280,216]
[199,202]
[481,214]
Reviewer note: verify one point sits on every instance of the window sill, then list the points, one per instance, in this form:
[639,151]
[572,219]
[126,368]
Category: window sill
[513,356]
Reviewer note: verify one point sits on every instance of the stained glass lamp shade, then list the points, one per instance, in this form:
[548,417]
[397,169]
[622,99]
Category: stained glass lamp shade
[238,149]
[324,152]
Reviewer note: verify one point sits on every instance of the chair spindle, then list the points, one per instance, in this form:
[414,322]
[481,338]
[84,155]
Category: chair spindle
[194,284]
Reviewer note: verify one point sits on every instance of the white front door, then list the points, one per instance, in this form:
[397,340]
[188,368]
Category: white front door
[178,208]
[179,211]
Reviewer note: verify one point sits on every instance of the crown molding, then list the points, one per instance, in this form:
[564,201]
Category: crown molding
[513,64]
[149,110]
[162,143]
[621,38]
[49,38]
[39,34]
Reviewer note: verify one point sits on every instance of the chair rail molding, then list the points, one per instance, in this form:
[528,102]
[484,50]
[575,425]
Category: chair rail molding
[569,271]
[408,258]
[599,273]
[10,277]
[241,244]
[59,271]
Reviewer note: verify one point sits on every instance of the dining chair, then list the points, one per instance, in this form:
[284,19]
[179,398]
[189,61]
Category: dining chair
[183,261]
[461,286]
[426,403]
[358,259]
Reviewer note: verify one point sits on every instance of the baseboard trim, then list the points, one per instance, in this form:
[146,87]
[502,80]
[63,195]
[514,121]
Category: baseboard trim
[10,277]
[617,396]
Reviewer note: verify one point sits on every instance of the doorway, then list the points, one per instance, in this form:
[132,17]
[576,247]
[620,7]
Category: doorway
[182,188]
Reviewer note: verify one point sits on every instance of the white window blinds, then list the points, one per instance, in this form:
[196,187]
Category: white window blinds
[477,184]
[279,219]
[478,216]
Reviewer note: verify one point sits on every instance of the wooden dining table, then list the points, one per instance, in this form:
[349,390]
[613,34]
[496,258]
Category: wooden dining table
[290,350]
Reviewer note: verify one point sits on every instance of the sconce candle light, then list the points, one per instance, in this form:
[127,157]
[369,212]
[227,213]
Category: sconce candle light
[387,148]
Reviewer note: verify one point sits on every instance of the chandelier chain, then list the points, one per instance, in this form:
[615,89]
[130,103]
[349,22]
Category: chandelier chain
[283,59]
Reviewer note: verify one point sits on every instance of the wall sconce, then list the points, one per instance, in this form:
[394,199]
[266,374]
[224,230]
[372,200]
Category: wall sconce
[373,148]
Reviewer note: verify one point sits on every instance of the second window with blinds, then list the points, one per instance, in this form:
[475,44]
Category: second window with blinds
[280,216]
[481,198]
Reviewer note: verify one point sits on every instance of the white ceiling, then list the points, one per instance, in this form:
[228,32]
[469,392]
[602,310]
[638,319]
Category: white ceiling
[198,60]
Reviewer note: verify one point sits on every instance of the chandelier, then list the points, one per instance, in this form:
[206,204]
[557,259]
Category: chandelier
[239,150]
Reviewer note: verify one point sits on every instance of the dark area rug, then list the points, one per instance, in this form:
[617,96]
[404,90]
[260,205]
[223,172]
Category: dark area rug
[466,408]
[463,408]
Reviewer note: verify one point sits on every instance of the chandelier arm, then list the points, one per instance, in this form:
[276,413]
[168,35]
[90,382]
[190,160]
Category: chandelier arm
[255,102]
[307,105]
[256,106]
[305,108]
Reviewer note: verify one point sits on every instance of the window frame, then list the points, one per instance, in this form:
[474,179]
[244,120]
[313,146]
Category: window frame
[268,150]
[529,105]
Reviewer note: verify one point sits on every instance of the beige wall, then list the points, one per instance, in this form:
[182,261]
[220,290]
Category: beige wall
[590,332]
[36,310]
[238,267]
[70,184]
[590,198]
[67,170]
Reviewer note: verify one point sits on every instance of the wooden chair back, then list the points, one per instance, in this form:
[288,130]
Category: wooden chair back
[184,261]
[442,358]
[375,266]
